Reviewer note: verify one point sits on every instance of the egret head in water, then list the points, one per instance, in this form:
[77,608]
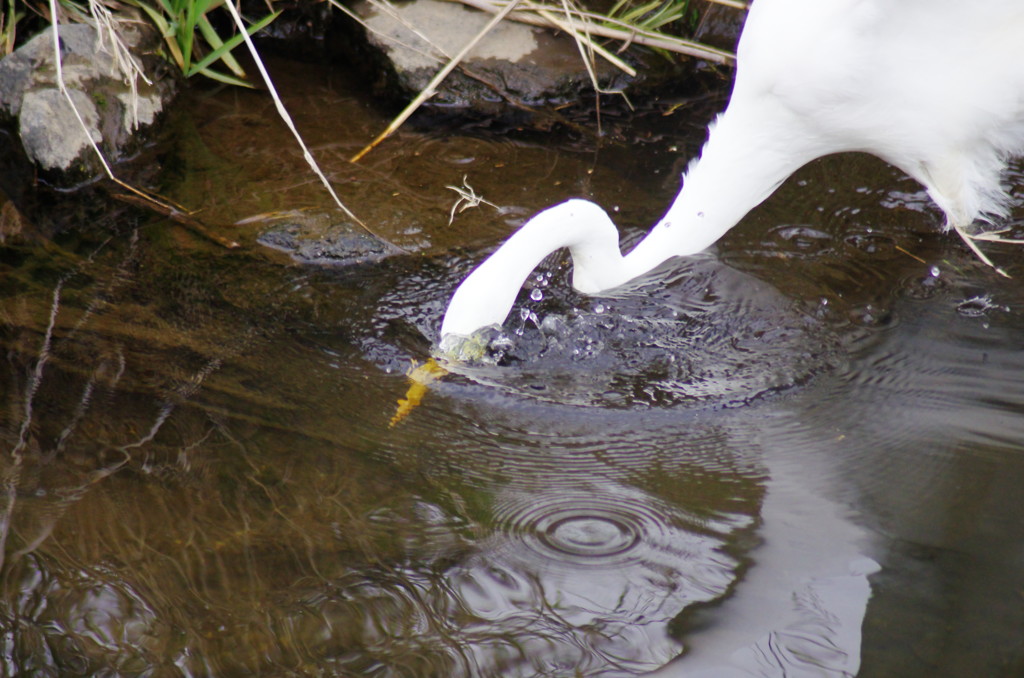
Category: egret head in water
[933,87]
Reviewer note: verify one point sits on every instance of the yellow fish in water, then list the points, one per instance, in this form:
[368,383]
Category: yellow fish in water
[420,377]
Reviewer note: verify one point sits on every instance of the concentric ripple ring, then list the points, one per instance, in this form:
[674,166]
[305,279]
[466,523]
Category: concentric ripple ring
[588,533]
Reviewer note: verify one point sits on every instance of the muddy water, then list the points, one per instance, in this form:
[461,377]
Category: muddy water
[798,454]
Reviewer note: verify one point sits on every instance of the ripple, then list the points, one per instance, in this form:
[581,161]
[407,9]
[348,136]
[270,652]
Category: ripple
[876,244]
[583,529]
[524,596]
[923,286]
[443,153]
[872,315]
[588,534]
[702,335]
[614,528]
[799,241]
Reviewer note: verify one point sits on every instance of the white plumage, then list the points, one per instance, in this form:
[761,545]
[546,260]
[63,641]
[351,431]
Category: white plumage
[933,87]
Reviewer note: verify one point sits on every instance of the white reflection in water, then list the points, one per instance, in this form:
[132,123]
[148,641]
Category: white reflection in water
[627,576]
[590,577]
[800,608]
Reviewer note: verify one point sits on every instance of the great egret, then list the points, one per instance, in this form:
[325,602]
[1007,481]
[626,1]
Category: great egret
[933,87]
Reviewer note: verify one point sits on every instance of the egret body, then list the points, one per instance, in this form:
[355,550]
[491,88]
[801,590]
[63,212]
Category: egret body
[933,87]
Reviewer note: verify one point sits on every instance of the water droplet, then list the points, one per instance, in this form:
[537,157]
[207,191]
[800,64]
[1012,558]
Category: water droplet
[934,271]
[536,294]
[502,342]
[599,308]
[553,324]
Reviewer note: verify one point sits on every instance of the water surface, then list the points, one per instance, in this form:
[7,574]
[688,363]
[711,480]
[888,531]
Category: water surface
[797,454]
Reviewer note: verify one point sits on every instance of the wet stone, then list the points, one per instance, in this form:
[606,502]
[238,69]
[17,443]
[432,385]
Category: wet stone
[43,125]
[514,64]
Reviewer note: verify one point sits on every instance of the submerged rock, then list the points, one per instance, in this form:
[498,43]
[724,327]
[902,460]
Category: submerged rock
[44,129]
[324,239]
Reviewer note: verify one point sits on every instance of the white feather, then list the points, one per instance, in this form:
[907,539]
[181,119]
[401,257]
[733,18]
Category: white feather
[934,87]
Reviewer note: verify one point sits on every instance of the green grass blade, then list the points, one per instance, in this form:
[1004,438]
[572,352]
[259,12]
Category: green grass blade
[219,51]
[222,52]
[617,7]
[186,35]
[167,31]
[224,77]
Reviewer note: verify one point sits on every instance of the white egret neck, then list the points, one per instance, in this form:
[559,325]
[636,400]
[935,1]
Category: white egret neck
[934,87]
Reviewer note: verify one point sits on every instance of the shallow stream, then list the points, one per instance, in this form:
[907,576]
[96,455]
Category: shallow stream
[800,453]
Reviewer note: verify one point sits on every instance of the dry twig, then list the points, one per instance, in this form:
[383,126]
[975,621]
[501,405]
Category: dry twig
[467,199]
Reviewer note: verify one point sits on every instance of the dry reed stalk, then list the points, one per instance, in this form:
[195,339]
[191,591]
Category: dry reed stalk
[582,35]
[540,15]
[734,4]
[287,118]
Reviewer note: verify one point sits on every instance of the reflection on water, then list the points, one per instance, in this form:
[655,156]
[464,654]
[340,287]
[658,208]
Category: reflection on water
[201,478]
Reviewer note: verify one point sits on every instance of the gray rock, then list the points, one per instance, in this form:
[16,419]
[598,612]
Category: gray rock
[40,117]
[530,64]
[49,130]
[517,67]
